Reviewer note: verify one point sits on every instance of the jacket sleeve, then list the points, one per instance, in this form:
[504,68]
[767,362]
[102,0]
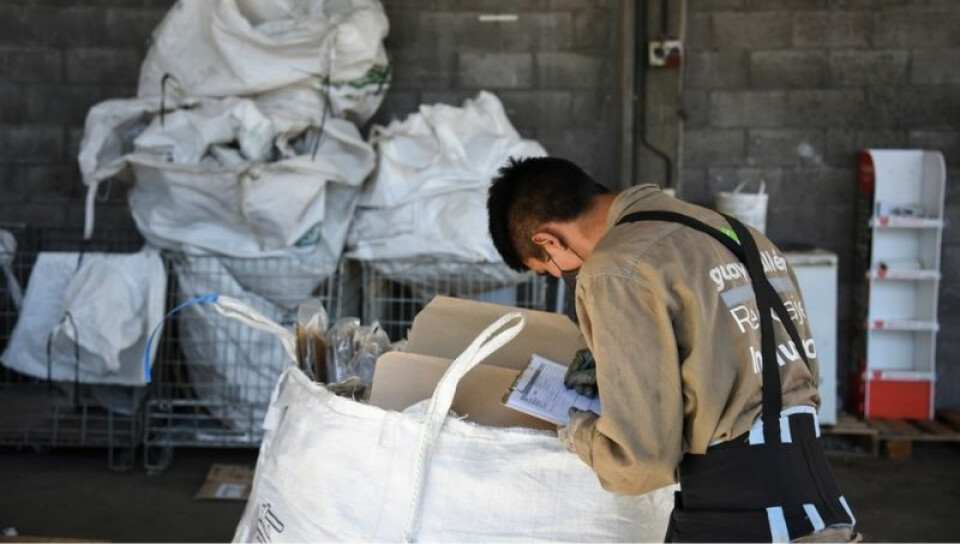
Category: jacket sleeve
[636,444]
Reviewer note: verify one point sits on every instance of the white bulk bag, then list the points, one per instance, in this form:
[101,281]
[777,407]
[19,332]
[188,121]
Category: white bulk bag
[218,48]
[443,148]
[96,305]
[331,469]
[240,207]
[231,367]
[8,251]
[426,201]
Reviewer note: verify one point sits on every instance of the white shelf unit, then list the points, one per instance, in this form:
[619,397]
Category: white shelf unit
[902,238]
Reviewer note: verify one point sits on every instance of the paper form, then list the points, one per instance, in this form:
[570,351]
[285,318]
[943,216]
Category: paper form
[539,392]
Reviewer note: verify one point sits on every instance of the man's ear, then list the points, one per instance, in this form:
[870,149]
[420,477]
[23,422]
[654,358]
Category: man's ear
[547,240]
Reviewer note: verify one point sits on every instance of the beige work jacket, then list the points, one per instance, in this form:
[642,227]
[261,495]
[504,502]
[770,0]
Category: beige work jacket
[672,321]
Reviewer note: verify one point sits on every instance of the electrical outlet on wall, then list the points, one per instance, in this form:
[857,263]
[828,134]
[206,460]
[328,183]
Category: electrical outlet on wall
[665,53]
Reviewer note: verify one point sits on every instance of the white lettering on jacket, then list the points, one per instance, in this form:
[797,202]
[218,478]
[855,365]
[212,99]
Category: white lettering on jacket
[723,273]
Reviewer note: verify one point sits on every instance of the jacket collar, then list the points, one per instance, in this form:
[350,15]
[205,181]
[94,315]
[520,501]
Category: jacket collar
[626,200]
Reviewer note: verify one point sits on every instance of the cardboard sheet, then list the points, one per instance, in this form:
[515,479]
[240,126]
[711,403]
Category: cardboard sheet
[440,333]
[404,379]
[446,326]
[227,482]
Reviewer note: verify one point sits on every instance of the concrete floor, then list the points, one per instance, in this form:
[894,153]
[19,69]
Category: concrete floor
[72,494]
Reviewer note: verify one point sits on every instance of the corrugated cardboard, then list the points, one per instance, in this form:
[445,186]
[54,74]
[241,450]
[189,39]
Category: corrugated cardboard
[441,331]
[412,378]
[446,326]
[227,482]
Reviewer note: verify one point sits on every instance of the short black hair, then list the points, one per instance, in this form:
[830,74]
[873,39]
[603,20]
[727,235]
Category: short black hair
[530,192]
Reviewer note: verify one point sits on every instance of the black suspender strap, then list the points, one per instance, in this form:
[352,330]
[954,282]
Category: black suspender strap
[768,302]
[771,389]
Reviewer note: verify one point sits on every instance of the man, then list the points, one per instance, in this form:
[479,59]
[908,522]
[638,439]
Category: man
[700,339]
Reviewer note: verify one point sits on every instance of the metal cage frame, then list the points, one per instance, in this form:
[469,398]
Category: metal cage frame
[209,388]
[39,413]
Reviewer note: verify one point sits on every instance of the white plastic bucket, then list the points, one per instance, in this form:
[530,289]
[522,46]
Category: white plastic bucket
[751,208]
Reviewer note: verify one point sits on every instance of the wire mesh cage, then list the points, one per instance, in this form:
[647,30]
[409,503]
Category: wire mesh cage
[213,376]
[44,409]
[394,292]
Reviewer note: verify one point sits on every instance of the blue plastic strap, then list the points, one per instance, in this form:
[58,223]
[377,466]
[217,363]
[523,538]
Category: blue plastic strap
[209,298]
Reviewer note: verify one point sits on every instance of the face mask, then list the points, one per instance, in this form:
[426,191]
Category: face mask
[569,277]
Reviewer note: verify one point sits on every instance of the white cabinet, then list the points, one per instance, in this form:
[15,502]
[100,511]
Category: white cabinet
[816,273]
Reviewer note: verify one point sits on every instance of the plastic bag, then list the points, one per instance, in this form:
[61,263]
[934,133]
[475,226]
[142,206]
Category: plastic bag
[354,350]
[311,331]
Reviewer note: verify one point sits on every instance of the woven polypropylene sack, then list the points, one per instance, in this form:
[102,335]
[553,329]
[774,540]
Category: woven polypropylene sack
[331,469]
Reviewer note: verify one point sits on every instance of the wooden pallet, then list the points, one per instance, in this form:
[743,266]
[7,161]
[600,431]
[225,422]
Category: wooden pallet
[855,430]
[898,435]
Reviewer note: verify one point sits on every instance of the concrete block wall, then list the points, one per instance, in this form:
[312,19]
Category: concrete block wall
[788,91]
[553,68]
[57,59]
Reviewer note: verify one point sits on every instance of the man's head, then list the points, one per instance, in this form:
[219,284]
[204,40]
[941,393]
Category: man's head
[540,211]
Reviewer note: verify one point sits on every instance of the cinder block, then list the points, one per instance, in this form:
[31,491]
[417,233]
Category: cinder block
[694,186]
[833,29]
[791,5]
[699,31]
[418,69]
[818,188]
[747,108]
[946,141]
[696,109]
[13,192]
[72,149]
[13,103]
[712,147]
[756,30]
[66,105]
[495,70]
[866,4]
[917,27]
[785,147]
[452,97]
[132,27]
[465,32]
[50,182]
[62,26]
[843,143]
[12,28]
[30,64]
[404,28]
[594,29]
[935,66]
[535,108]
[788,69]
[573,70]
[31,143]
[592,148]
[714,5]
[868,68]
[591,108]
[918,107]
[102,65]
[716,70]
[826,108]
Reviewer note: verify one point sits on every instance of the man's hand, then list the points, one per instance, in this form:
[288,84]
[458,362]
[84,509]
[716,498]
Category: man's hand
[582,374]
[566,432]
